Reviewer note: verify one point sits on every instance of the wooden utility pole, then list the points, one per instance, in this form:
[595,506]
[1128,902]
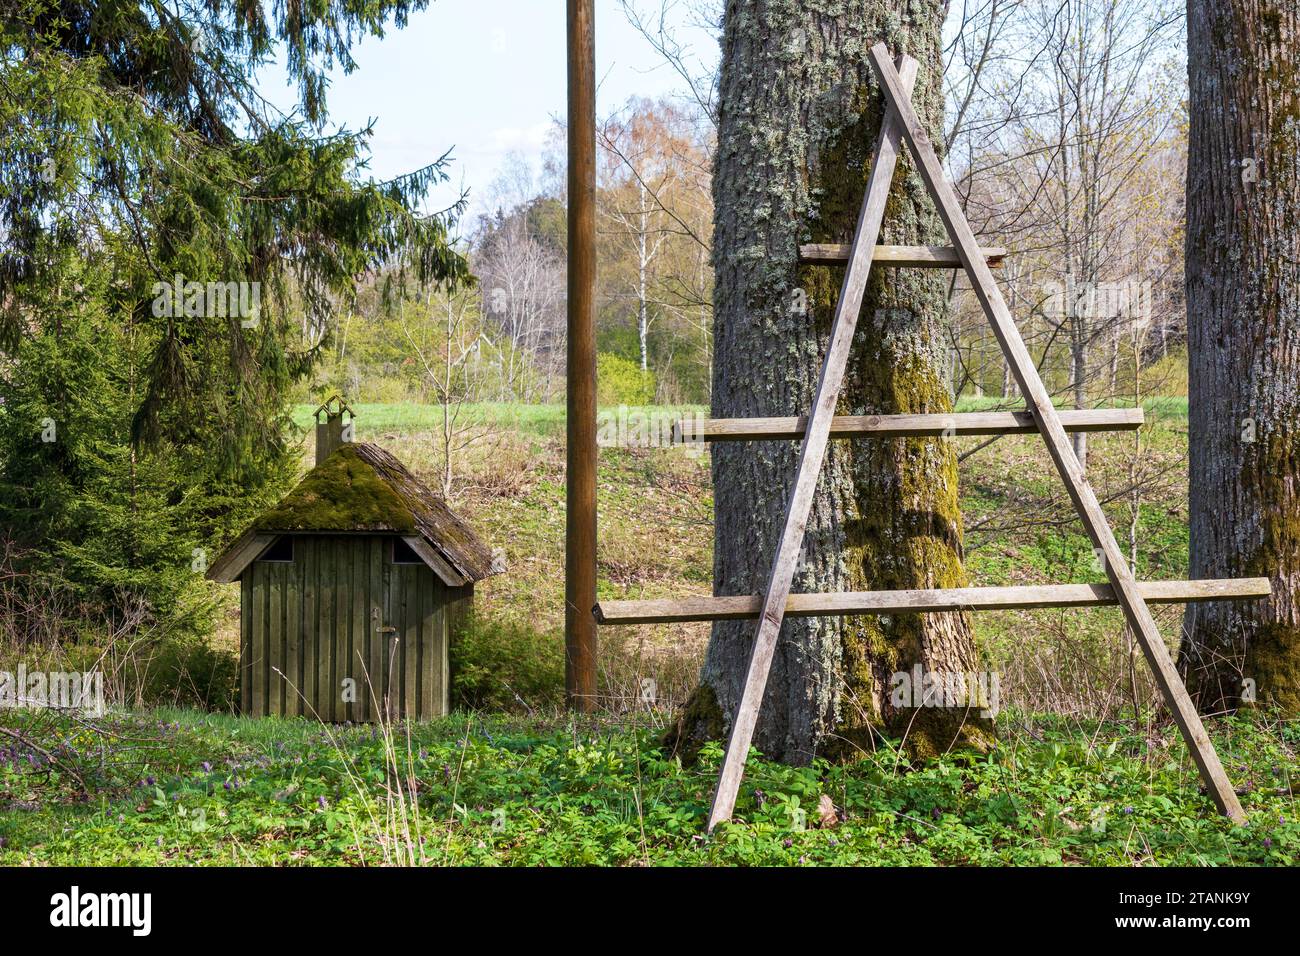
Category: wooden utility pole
[580,475]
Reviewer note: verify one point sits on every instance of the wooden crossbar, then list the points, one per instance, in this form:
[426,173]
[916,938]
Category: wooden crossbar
[920,257]
[905,426]
[748,606]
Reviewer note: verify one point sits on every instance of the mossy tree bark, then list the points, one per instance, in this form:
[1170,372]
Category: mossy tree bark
[1243,327]
[799,116]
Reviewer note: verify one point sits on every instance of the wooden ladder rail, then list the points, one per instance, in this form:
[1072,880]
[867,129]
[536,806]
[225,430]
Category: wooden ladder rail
[914,257]
[897,90]
[813,452]
[738,607]
[932,425]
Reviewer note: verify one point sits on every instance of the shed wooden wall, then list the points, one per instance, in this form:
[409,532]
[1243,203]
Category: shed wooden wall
[342,609]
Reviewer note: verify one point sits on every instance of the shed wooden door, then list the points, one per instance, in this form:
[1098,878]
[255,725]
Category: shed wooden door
[343,633]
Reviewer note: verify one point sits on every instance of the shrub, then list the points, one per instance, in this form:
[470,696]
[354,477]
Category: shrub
[194,674]
[620,382]
[1166,376]
[505,665]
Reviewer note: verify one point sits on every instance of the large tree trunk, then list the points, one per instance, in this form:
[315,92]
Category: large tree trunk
[1243,330]
[799,116]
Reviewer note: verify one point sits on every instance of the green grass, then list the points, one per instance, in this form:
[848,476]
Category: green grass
[542,790]
[181,787]
[536,420]
[376,420]
[548,420]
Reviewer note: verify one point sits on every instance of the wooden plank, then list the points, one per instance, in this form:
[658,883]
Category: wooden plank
[740,607]
[425,584]
[293,634]
[450,576]
[338,617]
[239,556]
[343,551]
[308,554]
[388,628]
[811,455]
[275,637]
[387,632]
[258,658]
[1022,366]
[319,626]
[394,639]
[410,639]
[904,426]
[444,612]
[245,644]
[359,710]
[375,655]
[323,569]
[920,257]
[288,685]
[580,422]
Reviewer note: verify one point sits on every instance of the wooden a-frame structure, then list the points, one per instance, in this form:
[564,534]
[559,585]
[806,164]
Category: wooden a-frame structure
[901,124]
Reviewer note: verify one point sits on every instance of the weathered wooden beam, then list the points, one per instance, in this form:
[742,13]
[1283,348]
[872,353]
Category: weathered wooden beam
[897,94]
[921,257]
[741,607]
[437,564]
[239,556]
[904,426]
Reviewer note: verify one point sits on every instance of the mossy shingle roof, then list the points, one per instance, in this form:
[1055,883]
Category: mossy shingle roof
[362,488]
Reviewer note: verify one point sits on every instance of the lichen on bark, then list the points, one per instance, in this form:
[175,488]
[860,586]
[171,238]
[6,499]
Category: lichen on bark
[799,116]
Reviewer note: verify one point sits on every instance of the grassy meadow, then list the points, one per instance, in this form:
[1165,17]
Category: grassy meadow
[509,779]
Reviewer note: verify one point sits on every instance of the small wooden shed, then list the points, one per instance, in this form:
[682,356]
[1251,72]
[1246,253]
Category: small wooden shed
[350,588]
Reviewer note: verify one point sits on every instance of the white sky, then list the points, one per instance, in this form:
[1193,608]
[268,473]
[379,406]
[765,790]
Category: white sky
[486,77]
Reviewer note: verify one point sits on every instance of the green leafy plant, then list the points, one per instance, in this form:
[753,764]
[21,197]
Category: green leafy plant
[505,665]
[620,382]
